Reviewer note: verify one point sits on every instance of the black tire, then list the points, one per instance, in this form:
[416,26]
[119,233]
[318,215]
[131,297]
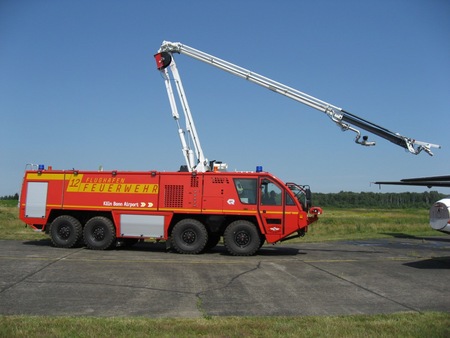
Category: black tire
[65,231]
[189,236]
[242,238]
[262,239]
[99,233]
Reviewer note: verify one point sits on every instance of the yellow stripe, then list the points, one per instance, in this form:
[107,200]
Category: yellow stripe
[179,209]
[147,209]
[209,211]
[155,209]
[239,211]
[101,207]
[44,176]
[274,212]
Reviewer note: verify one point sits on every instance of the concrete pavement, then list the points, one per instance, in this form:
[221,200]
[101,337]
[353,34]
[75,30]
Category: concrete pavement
[294,279]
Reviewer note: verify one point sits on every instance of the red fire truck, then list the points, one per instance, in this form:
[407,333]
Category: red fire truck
[190,209]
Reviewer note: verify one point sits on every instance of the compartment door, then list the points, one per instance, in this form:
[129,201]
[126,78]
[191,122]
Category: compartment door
[36,199]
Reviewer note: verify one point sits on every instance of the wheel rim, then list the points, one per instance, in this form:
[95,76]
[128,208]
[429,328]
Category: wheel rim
[98,233]
[242,238]
[64,232]
[188,236]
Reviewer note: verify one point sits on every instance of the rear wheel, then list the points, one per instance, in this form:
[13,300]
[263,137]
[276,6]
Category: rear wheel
[242,238]
[99,233]
[65,231]
[189,236]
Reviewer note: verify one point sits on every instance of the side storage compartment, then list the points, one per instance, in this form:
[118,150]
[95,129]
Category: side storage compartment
[36,200]
[132,225]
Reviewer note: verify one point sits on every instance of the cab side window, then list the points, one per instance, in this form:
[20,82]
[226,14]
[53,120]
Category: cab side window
[271,194]
[246,189]
[289,200]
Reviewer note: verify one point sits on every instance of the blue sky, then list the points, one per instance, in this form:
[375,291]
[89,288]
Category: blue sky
[79,87]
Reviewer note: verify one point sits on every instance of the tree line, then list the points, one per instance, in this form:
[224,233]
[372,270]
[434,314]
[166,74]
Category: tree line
[348,199]
[10,197]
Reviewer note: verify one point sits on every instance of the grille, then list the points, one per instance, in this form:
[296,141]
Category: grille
[219,180]
[173,196]
[194,182]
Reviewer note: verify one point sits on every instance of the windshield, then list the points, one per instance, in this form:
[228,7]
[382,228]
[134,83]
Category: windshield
[302,193]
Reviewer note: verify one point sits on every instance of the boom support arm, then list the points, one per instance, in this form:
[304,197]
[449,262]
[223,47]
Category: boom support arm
[194,160]
[344,119]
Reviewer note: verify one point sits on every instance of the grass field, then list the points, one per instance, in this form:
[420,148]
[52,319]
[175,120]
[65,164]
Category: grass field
[421,325]
[344,224]
[335,224]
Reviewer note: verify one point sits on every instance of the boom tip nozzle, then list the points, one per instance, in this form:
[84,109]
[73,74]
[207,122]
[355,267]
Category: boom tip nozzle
[365,141]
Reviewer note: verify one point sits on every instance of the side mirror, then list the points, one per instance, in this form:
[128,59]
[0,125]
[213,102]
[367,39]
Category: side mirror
[308,198]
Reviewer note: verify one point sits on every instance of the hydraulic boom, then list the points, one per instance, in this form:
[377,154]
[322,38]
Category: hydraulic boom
[344,119]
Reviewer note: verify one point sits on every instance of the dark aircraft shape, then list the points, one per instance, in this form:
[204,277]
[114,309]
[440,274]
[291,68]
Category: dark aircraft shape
[434,181]
[440,211]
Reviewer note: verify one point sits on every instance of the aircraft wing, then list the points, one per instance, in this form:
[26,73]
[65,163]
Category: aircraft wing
[433,181]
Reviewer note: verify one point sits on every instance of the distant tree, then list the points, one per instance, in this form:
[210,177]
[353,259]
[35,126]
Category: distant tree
[10,197]
[346,199]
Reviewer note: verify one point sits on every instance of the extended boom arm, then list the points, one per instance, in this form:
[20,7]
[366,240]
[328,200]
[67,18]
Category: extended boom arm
[342,118]
[194,160]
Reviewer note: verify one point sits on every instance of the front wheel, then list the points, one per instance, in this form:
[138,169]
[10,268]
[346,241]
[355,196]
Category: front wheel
[189,236]
[99,233]
[242,238]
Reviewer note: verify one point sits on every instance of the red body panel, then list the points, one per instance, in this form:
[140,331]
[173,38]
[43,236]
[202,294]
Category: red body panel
[145,204]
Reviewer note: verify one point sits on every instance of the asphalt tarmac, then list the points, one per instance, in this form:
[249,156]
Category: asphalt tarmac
[293,279]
